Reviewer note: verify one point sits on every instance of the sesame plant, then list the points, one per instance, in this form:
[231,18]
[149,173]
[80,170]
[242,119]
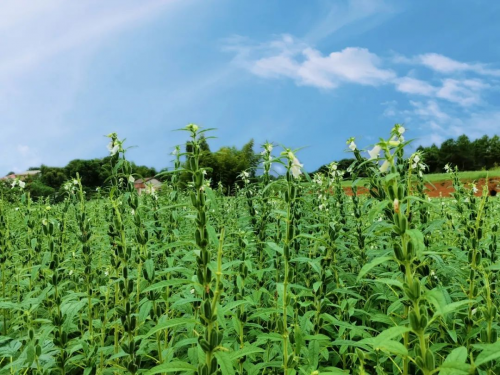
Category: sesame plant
[285,276]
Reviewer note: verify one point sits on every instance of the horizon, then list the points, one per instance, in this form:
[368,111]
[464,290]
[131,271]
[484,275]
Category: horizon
[305,76]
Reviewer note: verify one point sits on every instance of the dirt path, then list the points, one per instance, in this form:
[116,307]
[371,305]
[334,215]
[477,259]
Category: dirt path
[445,188]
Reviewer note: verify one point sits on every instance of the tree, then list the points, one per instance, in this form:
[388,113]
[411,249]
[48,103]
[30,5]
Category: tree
[431,158]
[224,165]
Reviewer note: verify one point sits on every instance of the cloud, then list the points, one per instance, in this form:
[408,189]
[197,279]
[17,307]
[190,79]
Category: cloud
[440,121]
[443,64]
[288,58]
[464,92]
[411,85]
[429,110]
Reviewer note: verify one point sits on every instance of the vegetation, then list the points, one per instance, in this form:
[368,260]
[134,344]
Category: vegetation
[223,167]
[482,153]
[284,277]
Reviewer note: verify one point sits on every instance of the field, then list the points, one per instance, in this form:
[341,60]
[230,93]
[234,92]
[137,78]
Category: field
[284,277]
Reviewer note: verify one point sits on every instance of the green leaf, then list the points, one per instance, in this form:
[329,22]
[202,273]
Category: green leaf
[333,371]
[442,303]
[454,364]
[374,263]
[489,353]
[169,324]
[247,350]
[149,266]
[385,343]
[225,364]
[166,283]
[172,367]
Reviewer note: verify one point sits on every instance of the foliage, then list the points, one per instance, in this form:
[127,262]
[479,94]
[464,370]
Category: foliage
[284,277]
[482,153]
[225,165]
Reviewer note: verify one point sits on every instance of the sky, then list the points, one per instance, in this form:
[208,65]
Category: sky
[302,74]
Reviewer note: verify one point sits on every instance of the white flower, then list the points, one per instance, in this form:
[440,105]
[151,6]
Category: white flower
[106,273]
[296,167]
[268,147]
[22,184]
[447,168]
[401,130]
[132,211]
[374,153]
[14,183]
[352,146]
[204,172]
[384,167]
[192,291]
[71,272]
[75,181]
[474,189]
[131,179]
[175,152]
[394,142]
[416,158]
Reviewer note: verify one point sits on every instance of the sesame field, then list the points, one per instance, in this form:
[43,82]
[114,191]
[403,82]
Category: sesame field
[287,276]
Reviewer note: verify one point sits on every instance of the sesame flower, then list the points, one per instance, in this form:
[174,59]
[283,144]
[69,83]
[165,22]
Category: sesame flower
[192,127]
[384,167]
[375,152]
[296,166]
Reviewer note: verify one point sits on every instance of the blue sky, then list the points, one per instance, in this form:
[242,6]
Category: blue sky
[298,73]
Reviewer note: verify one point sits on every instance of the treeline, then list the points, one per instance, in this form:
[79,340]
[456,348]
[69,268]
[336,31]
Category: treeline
[223,167]
[467,155]
[93,173]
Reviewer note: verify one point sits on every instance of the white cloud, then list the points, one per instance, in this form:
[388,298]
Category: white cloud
[446,65]
[440,121]
[289,58]
[464,92]
[411,85]
[429,110]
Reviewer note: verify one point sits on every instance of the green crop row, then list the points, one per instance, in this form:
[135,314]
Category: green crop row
[284,277]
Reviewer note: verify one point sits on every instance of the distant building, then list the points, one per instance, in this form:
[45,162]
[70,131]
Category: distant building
[21,175]
[147,185]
